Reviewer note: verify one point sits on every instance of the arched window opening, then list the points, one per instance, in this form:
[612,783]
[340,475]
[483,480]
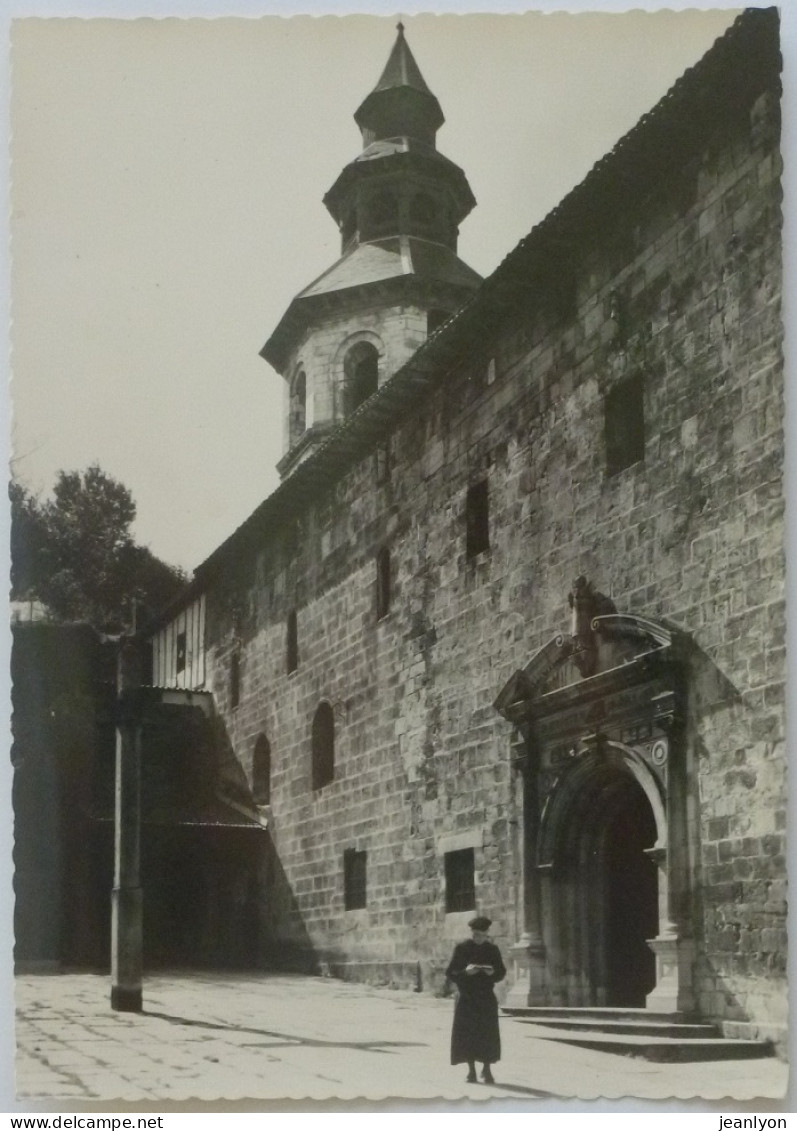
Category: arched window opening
[261,771]
[422,209]
[323,746]
[298,407]
[361,375]
[383,211]
[382,583]
[291,642]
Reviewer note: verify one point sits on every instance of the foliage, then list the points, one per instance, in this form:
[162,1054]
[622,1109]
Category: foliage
[75,553]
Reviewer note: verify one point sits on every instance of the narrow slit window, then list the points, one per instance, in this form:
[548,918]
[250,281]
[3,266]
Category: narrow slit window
[477,519]
[323,746]
[382,583]
[261,771]
[291,642]
[235,680]
[181,650]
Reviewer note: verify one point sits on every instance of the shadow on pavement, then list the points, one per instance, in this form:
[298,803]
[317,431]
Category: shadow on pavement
[538,1093]
[278,1039]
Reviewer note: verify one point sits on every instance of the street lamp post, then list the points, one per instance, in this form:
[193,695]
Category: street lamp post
[126,897]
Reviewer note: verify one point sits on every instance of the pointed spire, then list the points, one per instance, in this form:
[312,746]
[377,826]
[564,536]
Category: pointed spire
[401,104]
[401,68]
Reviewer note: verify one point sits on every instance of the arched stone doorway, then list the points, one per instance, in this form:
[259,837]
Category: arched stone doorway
[602,887]
[604,880]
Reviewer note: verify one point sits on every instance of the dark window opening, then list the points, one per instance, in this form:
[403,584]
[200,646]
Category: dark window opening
[382,462]
[181,649]
[460,885]
[477,519]
[382,583]
[291,642]
[354,872]
[235,680]
[323,746]
[383,211]
[625,424]
[422,209]
[361,373]
[261,771]
[434,319]
[298,408]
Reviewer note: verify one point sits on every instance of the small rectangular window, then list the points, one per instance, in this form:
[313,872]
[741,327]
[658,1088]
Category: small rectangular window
[181,643]
[460,886]
[477,519]
[235,680]
[354,870]
[625,424]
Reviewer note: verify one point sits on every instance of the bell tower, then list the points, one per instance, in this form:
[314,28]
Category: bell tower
[398,206]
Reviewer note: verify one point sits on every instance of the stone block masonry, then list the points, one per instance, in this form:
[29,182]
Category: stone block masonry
[680,292]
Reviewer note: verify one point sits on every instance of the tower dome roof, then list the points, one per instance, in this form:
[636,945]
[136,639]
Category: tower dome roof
[401,104]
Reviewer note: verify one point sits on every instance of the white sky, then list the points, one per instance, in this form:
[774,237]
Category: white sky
[166,205]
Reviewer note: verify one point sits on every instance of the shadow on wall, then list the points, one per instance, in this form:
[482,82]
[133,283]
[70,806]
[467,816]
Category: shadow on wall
[282,939]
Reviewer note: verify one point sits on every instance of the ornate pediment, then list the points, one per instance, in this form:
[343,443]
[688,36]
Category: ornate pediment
[603,648]
[528,683]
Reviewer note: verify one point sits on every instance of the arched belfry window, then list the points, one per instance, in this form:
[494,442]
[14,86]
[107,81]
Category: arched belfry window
[323,746]
[261,771]
[422,209]
[360,374]
[298,407]
[383,211]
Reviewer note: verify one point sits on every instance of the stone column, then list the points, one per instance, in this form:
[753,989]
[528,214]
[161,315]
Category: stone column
[126,897]
[673,946]
[528,953]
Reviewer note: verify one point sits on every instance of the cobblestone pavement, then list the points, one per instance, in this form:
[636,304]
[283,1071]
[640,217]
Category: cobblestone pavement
[278,1037]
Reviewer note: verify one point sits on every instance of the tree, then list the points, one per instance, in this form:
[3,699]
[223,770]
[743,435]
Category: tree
[76,554]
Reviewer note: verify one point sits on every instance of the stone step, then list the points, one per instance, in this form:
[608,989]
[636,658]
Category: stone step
[656,1048]
[602,1013]
[635,1026]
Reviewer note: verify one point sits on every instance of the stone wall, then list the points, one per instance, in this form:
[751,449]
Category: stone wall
[682,289]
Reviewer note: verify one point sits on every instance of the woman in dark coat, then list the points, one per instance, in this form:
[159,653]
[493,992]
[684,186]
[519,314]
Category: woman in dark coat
[475,967]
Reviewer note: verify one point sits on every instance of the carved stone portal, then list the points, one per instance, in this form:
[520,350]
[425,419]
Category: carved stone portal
[599,720]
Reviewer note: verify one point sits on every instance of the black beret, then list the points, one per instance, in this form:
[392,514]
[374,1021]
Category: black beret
[480,923]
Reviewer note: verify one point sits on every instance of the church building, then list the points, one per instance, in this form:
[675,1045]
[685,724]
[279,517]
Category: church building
[509,636]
